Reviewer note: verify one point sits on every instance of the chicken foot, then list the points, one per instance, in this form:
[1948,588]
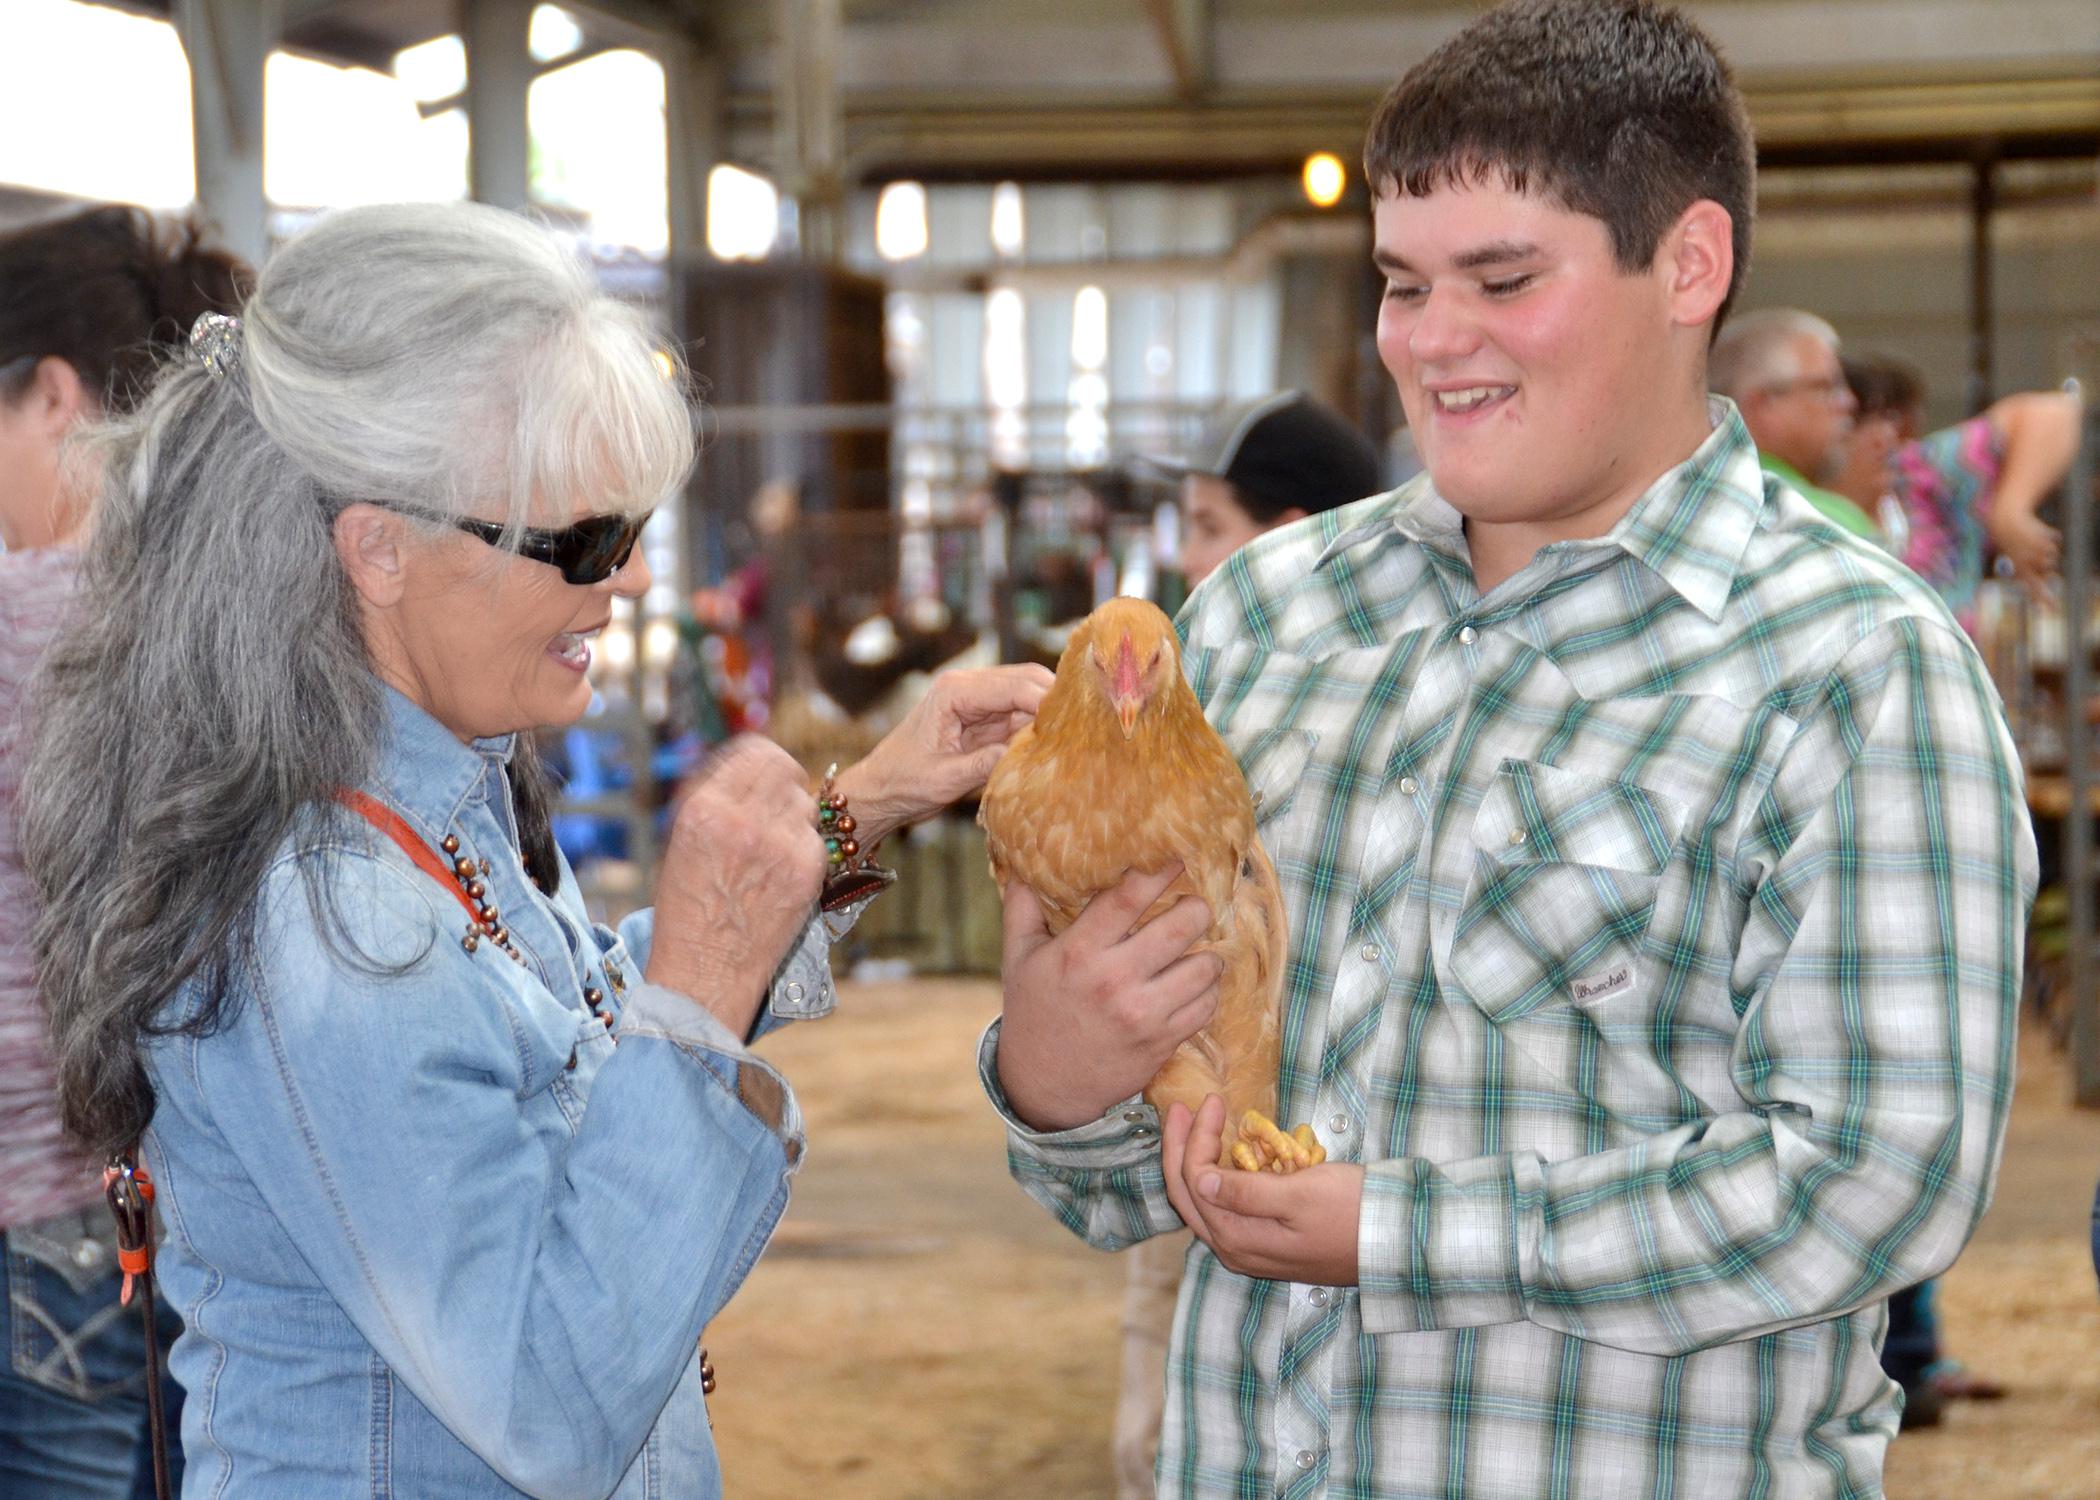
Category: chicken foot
[1265,1146]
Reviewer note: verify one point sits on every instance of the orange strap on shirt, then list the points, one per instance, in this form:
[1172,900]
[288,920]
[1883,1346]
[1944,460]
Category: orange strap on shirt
[426,859]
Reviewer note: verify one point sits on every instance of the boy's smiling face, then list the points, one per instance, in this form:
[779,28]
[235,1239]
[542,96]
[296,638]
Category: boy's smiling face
[1546,388]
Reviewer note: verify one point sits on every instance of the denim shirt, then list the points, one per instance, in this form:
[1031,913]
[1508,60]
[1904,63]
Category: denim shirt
[432,1229]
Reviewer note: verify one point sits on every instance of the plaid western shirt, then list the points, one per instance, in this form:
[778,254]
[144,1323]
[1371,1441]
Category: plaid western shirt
[1656,936]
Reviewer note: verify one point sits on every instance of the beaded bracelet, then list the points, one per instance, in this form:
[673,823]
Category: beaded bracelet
[852,874]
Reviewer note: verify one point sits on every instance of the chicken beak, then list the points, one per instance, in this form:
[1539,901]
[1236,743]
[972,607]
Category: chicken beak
[1129,687]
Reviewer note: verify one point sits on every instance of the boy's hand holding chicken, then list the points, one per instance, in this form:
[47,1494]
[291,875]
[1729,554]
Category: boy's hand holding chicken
[1145,942]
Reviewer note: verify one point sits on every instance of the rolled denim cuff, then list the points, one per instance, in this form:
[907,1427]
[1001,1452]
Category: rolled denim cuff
[655,1012]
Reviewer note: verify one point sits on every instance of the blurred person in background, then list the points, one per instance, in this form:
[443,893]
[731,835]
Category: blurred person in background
[1780,367]
[1948,498]
[1945,500]
[88,304]
[1263,464]
[453,1176]
[1260,465]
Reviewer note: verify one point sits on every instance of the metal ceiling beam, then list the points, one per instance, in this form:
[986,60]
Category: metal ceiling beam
[227,43]
[1042,136]
[499,84]
[1185,38]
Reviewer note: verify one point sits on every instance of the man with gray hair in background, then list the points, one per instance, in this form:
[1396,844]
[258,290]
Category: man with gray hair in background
[1780,367]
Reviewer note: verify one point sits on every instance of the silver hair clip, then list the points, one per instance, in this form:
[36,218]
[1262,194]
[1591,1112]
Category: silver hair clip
[216,341]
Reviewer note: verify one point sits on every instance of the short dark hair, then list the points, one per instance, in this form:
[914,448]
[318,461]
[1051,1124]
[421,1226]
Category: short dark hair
[109,290]
[1883,386]
[1618,109]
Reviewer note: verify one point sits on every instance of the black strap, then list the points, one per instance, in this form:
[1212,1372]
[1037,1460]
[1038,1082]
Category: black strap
[156,1417]
[130,1192]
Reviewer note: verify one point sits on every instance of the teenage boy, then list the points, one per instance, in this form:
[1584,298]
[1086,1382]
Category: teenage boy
[1655,861]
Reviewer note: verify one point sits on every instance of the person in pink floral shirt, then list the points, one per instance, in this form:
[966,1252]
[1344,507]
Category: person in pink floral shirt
[1949,499]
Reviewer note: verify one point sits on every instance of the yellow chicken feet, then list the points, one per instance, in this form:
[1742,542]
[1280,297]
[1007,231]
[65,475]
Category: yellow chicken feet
[1264,1146]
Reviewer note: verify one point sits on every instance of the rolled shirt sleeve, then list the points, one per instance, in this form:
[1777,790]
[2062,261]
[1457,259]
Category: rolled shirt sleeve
[1103,1180]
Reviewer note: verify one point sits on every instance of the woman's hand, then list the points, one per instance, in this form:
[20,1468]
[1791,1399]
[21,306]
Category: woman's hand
[2033,546]
[740,878]
[944,749]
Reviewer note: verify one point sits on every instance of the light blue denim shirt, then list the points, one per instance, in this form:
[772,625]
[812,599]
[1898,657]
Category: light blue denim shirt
[432,1230]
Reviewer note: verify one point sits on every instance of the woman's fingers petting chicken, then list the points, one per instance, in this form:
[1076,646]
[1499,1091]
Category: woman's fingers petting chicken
[944,747]
[1090,1015]
[1001,704]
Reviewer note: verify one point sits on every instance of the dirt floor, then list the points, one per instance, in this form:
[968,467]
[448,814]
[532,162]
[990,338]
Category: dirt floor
[921,1331]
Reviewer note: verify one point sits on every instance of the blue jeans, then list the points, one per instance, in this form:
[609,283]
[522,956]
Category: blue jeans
[73,1368]
[1913,1344]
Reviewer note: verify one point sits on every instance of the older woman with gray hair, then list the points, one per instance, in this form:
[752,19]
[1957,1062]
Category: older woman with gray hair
[452,1177]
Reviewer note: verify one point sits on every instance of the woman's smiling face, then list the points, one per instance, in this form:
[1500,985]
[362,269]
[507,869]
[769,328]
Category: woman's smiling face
[488,642]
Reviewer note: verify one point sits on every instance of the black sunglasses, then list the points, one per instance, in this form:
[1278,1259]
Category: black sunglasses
[589,552]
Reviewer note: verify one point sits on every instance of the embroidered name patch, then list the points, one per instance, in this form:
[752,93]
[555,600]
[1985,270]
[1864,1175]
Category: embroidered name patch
[1603,986]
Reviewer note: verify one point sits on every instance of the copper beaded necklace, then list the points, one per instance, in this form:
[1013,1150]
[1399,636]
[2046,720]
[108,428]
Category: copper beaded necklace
[465,877]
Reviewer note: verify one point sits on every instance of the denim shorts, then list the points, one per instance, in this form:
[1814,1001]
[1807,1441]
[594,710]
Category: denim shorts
[73,1367]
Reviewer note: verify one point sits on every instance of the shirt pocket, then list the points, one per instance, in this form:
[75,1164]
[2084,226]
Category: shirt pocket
[1274,762]
[1564,878]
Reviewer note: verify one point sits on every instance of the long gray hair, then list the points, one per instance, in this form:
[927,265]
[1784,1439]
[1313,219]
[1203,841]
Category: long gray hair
[215,690]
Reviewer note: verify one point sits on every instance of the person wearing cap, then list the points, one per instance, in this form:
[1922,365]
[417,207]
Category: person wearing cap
[1261,464]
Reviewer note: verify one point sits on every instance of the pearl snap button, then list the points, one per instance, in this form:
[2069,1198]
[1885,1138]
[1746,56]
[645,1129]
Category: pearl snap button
[1319,1296]
[1409,786]
[1369,952]
[1307,1458]
[1339,1124]
[1467,636]
[1516,836]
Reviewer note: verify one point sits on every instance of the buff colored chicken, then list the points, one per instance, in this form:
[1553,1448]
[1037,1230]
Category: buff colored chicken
[1121,772]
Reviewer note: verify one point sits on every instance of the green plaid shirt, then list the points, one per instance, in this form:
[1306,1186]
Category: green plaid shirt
[1656,936]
